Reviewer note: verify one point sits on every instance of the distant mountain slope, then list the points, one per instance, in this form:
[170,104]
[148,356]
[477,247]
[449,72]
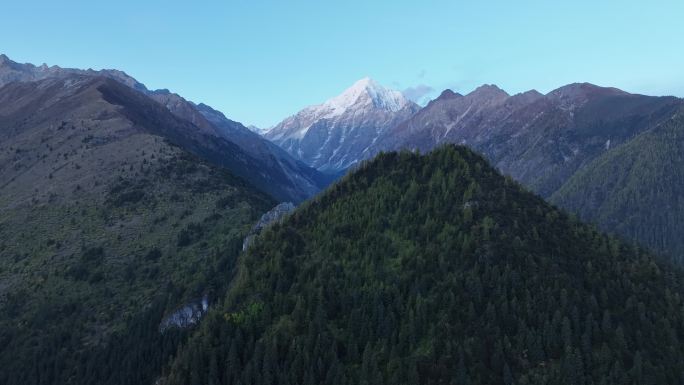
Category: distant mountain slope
[108,221]
[258,130]
[306,178]
[279,174]
[11,71]
[334,135]
[637,189]
[540,140]
[436,269]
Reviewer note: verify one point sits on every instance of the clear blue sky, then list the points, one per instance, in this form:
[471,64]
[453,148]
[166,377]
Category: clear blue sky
[260,61]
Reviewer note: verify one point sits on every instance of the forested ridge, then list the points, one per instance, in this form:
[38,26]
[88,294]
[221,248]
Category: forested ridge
[435,269]
[644,180]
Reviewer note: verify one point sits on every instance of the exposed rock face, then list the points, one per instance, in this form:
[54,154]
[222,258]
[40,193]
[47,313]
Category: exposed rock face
[192,312]
[274,215]
[188,315]
[335,135]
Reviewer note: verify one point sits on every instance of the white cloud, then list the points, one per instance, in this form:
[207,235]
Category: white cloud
[421,94]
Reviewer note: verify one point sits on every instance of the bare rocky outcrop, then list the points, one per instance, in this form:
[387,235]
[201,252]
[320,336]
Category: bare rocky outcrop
[192,312]
[276,214]
[186,316]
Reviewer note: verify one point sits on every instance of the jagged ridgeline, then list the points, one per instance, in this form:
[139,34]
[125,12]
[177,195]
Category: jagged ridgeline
[435,269]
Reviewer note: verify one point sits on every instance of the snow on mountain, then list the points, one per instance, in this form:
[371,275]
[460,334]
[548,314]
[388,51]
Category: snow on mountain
[333,135]
[257,130]
[366,90]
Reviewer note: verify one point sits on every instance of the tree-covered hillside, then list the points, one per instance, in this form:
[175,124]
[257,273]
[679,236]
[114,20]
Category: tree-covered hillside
[436,269]
[636,190]
[105,227]
[86,282]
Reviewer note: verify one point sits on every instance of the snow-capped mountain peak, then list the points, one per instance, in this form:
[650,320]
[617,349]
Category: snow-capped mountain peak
[365,93]
[366,90]
[332,135]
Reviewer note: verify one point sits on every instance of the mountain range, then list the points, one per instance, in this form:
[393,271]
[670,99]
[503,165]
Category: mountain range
[555,144]
[540,140]
[207,132]
[547,142]
[452,249]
